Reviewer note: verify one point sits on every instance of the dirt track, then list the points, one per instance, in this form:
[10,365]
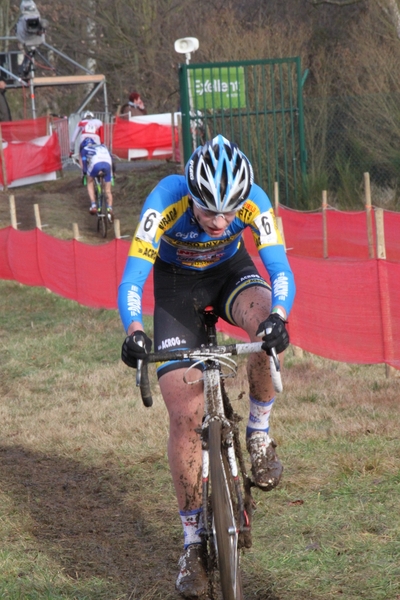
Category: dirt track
[65,201]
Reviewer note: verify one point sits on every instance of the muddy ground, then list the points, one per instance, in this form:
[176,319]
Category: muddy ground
[65,201]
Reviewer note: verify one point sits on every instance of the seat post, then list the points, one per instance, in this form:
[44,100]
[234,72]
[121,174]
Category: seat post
[210,321]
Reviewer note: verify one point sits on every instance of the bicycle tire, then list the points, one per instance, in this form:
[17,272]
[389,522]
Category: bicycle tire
[102,216]
[224,521]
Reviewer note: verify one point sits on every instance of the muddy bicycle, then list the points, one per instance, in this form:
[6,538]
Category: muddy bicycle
[226,487]
[104,217]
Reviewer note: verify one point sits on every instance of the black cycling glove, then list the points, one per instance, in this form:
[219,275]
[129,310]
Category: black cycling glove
[135,347]
[278,337]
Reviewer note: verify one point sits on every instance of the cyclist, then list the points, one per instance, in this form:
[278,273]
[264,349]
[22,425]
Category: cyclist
[88,128]
[95,159]
[191,229]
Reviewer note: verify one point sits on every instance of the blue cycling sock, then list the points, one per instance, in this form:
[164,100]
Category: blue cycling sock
[192,523]
[259,416]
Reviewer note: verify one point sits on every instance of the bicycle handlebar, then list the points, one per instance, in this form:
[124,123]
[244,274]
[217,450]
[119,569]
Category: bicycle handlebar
[206,352]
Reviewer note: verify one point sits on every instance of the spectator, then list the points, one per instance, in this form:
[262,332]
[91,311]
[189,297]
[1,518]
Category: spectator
[5,113]
[134,107]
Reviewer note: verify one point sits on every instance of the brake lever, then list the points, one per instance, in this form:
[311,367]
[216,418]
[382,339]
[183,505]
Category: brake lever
[139,365]
[273,353]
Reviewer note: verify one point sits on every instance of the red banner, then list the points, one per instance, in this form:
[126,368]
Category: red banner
[129,135]
[345,310]
[24,131]
[25,159]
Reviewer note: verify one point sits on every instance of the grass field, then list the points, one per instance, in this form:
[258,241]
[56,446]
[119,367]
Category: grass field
[87,509]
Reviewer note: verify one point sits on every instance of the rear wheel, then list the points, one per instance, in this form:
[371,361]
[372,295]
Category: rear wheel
[102,214]
[224,522]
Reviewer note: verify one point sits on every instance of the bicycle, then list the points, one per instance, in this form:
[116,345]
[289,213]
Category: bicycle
[104,218]
[227,500]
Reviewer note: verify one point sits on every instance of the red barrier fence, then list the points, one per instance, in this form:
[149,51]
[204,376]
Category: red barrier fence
[345,310]
[347,233]
[154,138]
[27,151]
[27,159]
[26,130]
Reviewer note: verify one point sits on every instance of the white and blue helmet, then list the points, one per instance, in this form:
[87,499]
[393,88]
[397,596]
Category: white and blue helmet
[219,176]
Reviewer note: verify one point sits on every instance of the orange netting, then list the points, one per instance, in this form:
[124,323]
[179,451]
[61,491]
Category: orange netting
[345,309]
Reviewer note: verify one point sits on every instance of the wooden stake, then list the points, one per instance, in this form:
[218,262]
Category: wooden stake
[368,210]
[13,213]
[298,352]
[276,197]
[280,227]
[380,234]
[75,230]
[117,229]
[37,216]
[381,253]
[324,224]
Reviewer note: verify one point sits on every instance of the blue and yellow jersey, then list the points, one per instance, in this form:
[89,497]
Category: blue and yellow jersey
[168,229]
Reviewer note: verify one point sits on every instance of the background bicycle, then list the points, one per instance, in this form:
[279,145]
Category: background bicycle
[104,216]
[100,208]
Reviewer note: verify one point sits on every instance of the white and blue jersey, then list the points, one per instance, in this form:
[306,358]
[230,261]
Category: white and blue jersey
[96,158]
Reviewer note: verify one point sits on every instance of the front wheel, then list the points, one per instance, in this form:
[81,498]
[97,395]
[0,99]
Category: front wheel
[225,526]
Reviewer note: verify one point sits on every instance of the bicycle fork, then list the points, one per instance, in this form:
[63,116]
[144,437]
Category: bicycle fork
[214,409]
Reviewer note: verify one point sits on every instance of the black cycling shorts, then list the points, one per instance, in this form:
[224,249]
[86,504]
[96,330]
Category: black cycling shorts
[182,294]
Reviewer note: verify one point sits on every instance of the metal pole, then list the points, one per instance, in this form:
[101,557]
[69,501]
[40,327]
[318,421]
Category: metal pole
[32,87]
[67,58]
[105,98]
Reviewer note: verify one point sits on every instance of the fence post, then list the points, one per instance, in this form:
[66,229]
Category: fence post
[324,224]
[173,136]
[13,213]
[117,229]
[368,210]
[381,253]
[75,230]
[37,216]
[3,162]
[276,198]
[380,234]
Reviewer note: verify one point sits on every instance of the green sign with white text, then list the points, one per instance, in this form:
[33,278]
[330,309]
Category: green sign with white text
[219,87]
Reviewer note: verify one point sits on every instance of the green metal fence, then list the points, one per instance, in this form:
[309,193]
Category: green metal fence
[257,104]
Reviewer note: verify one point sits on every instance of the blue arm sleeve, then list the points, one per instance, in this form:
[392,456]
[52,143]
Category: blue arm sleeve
[130,290]
[282,280]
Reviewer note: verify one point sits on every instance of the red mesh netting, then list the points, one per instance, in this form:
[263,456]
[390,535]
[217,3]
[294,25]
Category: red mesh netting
[345,309]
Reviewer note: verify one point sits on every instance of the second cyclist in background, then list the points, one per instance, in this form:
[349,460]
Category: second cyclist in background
[96,158]
[88,130]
